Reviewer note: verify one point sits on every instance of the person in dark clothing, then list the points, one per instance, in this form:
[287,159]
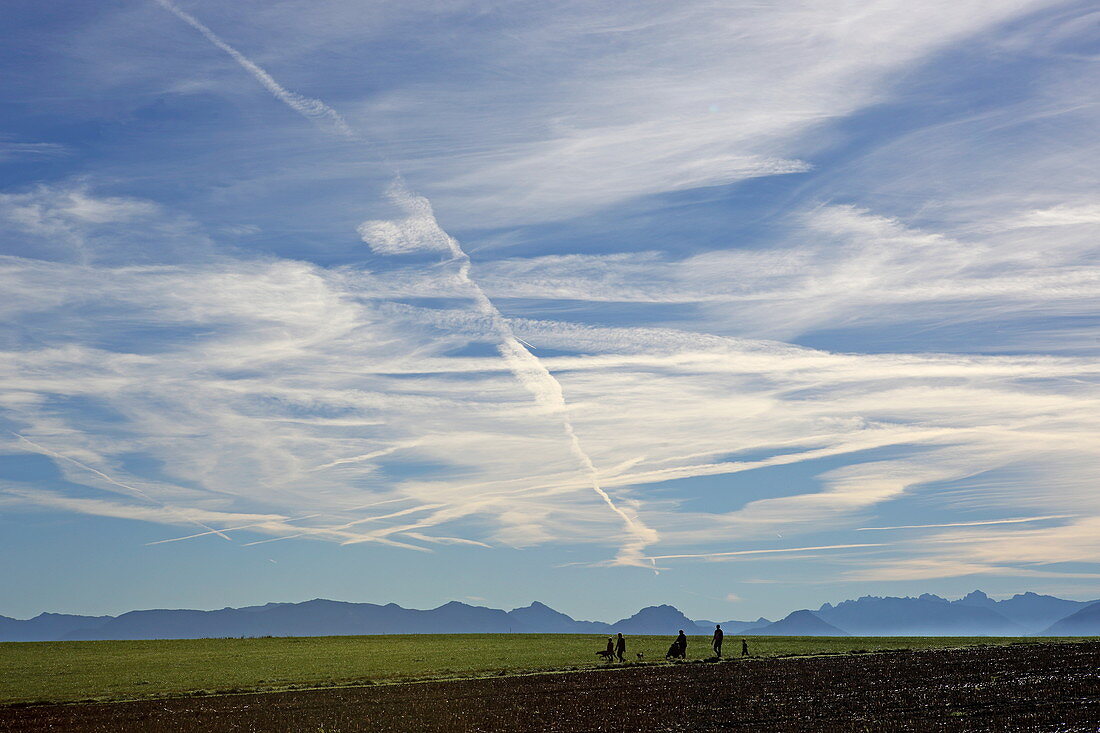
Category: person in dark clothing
[682,642]
[744,648]
[620,646]
[716,640]
[610,653]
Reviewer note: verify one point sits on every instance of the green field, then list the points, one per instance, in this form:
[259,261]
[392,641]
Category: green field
[125,670]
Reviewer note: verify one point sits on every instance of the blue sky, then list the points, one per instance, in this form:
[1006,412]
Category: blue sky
[739,307]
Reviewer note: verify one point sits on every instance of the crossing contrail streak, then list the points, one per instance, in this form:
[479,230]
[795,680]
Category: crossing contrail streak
[421,231]
[765,552]
[1018,520]
[110,480]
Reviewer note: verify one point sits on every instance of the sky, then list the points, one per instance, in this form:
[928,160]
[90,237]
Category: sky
[738,306]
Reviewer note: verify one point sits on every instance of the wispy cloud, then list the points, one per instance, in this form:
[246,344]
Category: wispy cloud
[15,149]
[1063,215]
[253,401]
[902,324]
[656,98]
[420,231]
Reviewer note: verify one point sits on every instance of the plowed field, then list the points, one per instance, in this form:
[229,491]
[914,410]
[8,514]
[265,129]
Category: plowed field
[1007,688]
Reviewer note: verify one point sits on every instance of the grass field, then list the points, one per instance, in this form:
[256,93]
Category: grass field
[127,670]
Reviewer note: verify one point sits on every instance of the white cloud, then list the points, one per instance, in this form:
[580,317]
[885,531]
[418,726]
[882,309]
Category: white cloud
[289,399]
[280,385]
[70,222]
[547,111]
[1059,216]
[656,97]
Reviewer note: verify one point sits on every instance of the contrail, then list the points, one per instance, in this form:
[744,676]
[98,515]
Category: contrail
[764,552]
[108,479]
[419,231]
[313,109]
[367,456]
[1019,520]
[291,519]
[425,233]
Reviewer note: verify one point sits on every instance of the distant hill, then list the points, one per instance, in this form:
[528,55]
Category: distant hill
[1031,610]
[658,620]
[1085,622]
[326,618]
[926,615]
[799,623]
[731,627]
[540,618]
[47,626]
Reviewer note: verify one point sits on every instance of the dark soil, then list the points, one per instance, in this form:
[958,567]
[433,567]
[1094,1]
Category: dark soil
[1050,687]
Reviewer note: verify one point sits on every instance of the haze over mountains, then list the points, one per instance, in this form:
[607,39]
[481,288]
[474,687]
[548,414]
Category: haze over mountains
[927,615]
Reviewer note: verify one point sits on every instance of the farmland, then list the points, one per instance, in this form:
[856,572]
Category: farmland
[87,671]
[1042,686]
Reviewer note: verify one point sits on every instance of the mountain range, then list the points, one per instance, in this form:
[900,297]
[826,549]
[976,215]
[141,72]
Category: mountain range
[976,614]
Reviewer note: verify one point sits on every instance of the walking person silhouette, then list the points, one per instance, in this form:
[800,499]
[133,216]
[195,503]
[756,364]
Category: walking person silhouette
[716,640]
[620,646]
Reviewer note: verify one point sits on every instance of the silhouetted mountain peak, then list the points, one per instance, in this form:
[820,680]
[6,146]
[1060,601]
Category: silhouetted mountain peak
[850,602]
[1084,622]
[974,614]
[540,617]
[730,627]
[927,615]
[662,619]
[664,611]
[977,598]
[798,623]
[537,609]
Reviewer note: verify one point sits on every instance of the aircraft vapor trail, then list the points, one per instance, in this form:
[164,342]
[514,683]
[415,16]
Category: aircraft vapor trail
[290,519]
[421,231]
[110,480]
[308,107]
[427,234]
[1018,520]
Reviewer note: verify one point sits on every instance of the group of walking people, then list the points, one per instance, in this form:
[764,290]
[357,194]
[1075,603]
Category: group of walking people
[616,646]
